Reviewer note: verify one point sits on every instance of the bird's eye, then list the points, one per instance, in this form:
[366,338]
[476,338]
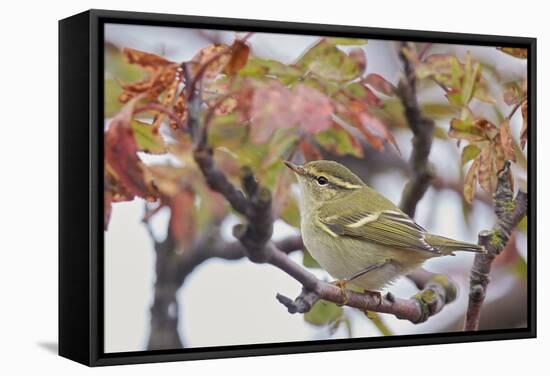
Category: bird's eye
[321,180]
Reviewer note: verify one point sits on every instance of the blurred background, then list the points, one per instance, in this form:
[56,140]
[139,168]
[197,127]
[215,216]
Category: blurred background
[244,309]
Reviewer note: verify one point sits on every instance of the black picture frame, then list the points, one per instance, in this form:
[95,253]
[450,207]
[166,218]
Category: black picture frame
[81,190]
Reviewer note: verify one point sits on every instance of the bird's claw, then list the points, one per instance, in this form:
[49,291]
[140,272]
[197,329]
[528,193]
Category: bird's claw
[342,283]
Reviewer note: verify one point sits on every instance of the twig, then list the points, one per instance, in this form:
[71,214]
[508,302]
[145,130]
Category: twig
[515,108]
[160,108]
[422,128]
[509,212]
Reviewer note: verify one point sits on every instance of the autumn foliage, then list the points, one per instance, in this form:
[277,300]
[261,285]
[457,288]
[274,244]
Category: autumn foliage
[258,111]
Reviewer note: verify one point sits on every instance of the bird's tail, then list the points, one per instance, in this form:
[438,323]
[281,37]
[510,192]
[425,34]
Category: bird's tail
[448,246]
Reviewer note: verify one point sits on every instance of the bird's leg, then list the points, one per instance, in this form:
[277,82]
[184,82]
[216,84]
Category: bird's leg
[342,283]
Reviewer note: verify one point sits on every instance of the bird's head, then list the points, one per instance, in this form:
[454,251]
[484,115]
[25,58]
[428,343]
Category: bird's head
[322,181]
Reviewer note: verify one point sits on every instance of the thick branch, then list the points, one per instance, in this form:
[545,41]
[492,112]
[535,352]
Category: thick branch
[165,308]
[422,128]
[509,212]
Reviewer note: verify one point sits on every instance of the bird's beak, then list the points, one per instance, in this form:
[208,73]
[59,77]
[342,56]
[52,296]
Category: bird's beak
[297,169]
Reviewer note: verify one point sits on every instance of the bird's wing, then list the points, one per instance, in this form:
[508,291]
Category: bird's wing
[390,228]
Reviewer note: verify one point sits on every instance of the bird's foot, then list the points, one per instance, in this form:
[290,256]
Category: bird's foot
[342,284]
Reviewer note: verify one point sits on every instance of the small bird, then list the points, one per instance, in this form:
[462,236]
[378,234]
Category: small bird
[356,234]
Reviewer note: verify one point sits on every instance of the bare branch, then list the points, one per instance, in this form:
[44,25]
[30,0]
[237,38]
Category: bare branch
[509,212]
[160,108]
[422,128]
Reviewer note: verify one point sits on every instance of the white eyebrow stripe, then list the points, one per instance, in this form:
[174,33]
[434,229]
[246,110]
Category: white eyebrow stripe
[363,221]
[343,183]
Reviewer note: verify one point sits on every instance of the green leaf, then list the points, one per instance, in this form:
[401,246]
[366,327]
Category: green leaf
[111,105]
[309,261]
[376,319]
[469,153]
[265,68]
[359,91]
[339,141]
[327,61]
[117,68]
[347,41]
[329,88]
[147,139]
[445,69]
[465,129]
[436,110]
[472,71]
[323,313]
[440,133]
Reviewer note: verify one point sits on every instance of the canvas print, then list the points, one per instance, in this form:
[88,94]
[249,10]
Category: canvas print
[264,188]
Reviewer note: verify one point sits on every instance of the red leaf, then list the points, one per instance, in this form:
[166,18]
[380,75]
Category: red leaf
[487,169]
[271,109]
[359,57]
[520,53]
[506,141]
[153,86]
[146,60]
[239,57]
[372,99]
[180,109]
[211,60]
[380,84]
[245,99]
[313,109]
[309,151]
[371,127]
[120,153]
[182,218]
